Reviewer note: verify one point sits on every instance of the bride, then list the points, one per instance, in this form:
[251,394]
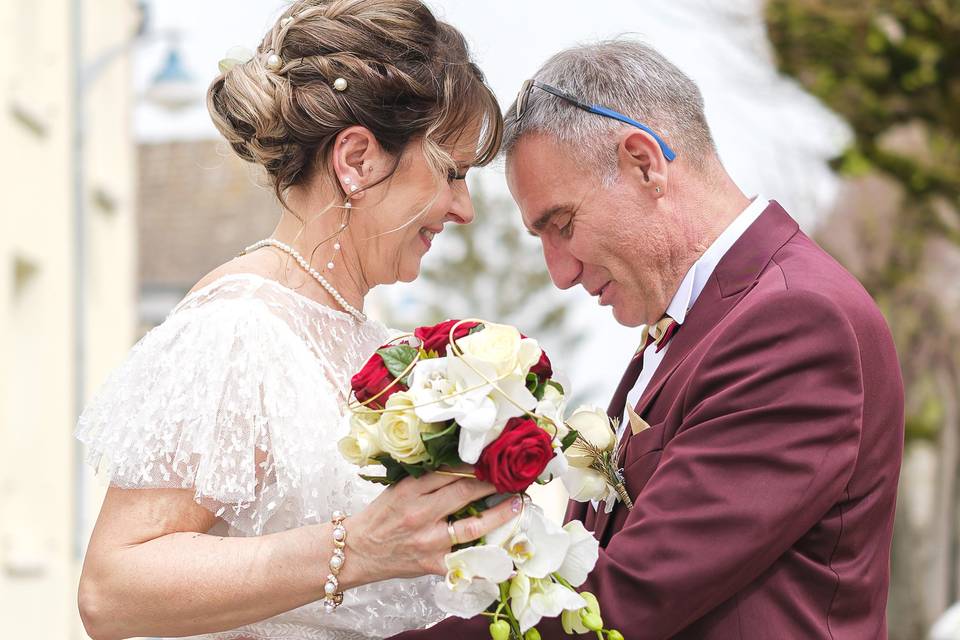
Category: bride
[227,514]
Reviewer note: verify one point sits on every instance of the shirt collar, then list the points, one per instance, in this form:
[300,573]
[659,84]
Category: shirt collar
[696,277]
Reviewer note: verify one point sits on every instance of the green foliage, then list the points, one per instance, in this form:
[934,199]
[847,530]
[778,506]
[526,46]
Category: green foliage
[885,66]
[569,439]
[397,359]
[395,472]
[443,447]
[891,68]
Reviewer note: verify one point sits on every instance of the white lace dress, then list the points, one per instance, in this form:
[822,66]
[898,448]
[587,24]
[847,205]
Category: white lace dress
[242,370]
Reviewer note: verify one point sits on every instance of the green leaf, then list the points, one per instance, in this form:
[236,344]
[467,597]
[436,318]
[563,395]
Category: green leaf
[568,439]
[473,330]
[556,385]
[395,471]
[532,382]
[443,446]
[377,479]
[413,469]
[397,358]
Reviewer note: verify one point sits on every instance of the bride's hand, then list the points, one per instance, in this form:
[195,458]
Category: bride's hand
[404,533]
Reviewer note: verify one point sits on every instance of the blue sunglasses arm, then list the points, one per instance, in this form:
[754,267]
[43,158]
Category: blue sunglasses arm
[610,113]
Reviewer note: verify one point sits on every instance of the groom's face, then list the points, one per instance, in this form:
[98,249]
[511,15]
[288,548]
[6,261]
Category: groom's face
[593,235]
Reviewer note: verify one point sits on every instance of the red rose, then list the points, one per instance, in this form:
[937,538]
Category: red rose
[437,337]
[372,379]
[543,369]
[514,460]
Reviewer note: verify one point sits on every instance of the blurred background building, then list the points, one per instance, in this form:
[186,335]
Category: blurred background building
[113,205]
[67,284]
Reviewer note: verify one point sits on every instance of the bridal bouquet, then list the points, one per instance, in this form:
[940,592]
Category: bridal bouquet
[470,393]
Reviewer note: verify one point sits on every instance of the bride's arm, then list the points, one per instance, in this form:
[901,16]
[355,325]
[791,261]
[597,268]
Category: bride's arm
[150,571]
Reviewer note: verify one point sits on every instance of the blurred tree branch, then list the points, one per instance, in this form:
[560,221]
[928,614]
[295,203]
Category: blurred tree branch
[891,68]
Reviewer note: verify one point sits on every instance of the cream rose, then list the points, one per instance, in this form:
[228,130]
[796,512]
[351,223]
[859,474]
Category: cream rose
[585,484]
[400,429]
[593,425]
[502,347]
[363,443]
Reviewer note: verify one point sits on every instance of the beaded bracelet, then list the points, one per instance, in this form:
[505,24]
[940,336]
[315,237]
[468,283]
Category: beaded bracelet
[332,596]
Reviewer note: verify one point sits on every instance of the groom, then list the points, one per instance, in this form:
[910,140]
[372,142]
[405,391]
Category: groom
[763,423]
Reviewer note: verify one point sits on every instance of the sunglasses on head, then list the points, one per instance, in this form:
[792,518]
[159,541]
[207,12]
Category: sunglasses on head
[528,85]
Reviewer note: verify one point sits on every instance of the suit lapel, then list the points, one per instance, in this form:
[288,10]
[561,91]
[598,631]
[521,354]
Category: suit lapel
[734,276]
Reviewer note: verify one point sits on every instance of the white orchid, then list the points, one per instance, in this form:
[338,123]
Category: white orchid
[557,466]
[442,391]
[581,556]
[472,581]
[536,544]
[532,599]
[453,389]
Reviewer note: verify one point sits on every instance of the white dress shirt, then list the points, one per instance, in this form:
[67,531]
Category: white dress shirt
[690,287]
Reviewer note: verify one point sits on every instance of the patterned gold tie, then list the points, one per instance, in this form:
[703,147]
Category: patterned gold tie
[659,334]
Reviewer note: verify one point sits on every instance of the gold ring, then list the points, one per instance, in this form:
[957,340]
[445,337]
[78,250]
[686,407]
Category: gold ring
[453,534]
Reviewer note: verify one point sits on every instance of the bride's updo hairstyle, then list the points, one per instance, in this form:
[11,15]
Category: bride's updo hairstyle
[387,65]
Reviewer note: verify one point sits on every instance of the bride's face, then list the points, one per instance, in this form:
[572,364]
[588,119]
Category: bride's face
[409,212]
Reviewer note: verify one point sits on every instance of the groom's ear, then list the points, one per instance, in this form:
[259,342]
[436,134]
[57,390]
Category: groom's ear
[640,157]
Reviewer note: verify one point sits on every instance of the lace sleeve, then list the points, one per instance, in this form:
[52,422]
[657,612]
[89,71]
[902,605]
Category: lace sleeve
[227,400]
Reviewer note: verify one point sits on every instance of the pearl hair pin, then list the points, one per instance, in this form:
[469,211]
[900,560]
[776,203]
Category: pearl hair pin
[340,84]
[273,61]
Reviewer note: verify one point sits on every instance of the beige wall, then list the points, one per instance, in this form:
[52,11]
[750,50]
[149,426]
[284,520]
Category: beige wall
[38,564]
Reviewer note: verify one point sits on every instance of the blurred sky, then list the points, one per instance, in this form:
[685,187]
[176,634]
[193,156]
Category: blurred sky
[773,138]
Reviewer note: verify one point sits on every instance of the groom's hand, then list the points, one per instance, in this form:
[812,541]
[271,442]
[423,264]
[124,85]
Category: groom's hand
[404,532]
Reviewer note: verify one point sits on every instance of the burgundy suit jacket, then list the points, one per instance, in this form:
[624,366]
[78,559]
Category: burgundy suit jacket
[765,487]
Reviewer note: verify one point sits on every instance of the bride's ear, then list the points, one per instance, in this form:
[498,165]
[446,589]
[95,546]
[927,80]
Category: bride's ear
[354,158]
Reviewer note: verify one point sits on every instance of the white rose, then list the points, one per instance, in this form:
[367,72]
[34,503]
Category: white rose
[363,443]
[584,485]
[501,346]
[593,425]
[400,429]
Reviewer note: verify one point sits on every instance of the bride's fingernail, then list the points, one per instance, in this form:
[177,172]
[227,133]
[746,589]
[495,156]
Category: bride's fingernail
[517,504]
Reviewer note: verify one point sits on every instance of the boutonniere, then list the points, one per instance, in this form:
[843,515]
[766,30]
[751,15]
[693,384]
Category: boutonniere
[593,457]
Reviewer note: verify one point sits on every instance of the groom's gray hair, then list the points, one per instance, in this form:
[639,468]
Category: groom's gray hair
[624,75]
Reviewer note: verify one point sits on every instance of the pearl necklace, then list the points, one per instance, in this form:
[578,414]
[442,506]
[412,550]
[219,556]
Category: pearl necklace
[358,315]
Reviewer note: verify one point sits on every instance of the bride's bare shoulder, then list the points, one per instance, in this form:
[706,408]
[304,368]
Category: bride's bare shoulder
[261,264]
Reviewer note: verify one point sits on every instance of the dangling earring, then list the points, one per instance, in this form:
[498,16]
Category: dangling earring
[336,235]
[348,206]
